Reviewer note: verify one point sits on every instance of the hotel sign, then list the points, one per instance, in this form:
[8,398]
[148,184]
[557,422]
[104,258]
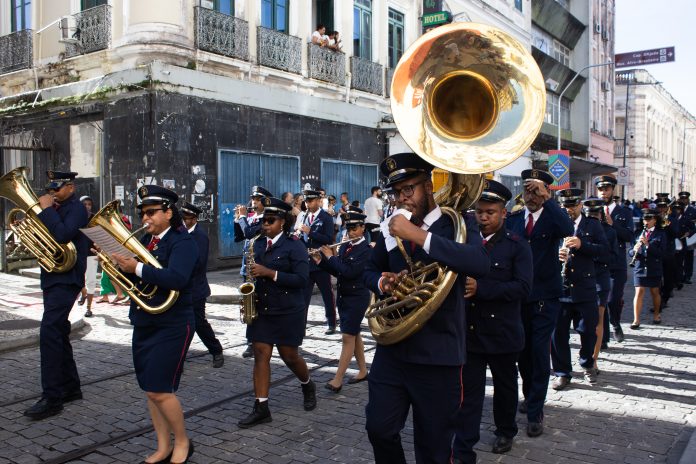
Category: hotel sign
[435,19]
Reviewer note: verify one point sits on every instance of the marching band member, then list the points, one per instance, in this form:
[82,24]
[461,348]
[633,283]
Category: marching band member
[281,270]
[247,225]
[317,230]
[63,215]
[620,219]
[160,341]
[353,298]
[686,228]
[670,226]
[495,334]
[201,289]
[544,224]
[647,271]
[579,300]
[423,370]
[688,255]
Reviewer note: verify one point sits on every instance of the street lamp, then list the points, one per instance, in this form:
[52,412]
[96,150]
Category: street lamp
[560,97]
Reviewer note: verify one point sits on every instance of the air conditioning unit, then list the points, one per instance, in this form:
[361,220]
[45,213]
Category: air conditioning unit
[597,28]
[69,33]
[606,86]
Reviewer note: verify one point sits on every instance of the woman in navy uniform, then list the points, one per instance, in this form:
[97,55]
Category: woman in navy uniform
[495,334]
[281,271]
[647,270]
[353,297]
[160,341]
[422,371]
[63,215]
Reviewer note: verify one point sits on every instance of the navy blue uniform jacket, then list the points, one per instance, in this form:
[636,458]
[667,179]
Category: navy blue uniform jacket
[580,283]
[349,269]
[623,226]
[686,226]
[493,315]
[672,233]
[553,225]
[243,230]
[285,295]
[650,264]
[64,224]
[604,263]
[321,233]
[177,253]
[442,340]
[201,289]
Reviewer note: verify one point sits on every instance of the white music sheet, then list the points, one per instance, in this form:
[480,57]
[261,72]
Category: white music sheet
[106,242]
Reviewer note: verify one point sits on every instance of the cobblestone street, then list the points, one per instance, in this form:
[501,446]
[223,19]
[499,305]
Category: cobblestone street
[641,410]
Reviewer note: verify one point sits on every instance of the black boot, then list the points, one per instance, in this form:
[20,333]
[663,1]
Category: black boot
[259,415]
[44,408]
[309,391]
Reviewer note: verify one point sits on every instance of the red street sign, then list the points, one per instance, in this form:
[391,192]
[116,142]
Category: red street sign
[656,55]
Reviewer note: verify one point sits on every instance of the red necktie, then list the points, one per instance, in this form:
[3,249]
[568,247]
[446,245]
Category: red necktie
[153,243]
[413,248]
[647,235]
[269,245]
[311,219]
[484,242]
[348,248]
[608,211]
[530,225]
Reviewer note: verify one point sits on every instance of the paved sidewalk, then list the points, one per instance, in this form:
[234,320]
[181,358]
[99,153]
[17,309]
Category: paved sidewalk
[642,410]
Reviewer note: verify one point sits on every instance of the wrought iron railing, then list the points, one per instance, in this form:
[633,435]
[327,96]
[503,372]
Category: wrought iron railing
[221,33]
[366,75]
[16,51]
[92,32]
[326,64]
[279,50]
[387,81]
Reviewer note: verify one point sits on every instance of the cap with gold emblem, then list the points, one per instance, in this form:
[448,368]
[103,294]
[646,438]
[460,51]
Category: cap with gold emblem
[495,192]
[593,204]
[311,194]
[56,179]
[571,196]
[605,181]
[537,174]
[189,208]
[684,194]
[156,195]
[275,206]
[650,213]
[402,166]
[354,218]
[257,191]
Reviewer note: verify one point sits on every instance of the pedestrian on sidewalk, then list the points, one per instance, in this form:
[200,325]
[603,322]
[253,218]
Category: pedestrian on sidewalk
[201,289]
[647,267]
[63,215]
[374,209]
[108,287]
[92,264]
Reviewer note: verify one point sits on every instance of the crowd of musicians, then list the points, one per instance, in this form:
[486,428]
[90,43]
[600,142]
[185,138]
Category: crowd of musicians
[524,277]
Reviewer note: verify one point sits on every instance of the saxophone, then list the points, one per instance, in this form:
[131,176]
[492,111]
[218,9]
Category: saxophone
[247,306]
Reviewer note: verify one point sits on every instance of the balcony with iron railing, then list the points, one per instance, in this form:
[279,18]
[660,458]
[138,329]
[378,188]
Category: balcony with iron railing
[16,51]
[279,50]
[366,75]
[92,32]
[221,34]
[326,64]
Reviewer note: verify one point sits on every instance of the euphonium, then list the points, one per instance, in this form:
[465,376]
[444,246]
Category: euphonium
[109,218]
[469,99]
[52,256]
[247,307]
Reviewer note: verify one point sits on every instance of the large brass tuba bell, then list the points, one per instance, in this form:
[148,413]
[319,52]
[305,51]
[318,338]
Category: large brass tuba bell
[109,218]
[51,255]
[469,99]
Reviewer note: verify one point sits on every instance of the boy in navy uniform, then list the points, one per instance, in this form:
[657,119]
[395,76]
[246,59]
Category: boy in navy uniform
[689,214]
[247,226]
[620,219]
[317,230]
[579,300]
[544,224]
[63,215]
[670,225]
[422,370]
[201,289]
[495,334]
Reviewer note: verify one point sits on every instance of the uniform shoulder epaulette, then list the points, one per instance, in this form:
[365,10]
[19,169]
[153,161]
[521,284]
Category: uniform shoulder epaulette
[515,213]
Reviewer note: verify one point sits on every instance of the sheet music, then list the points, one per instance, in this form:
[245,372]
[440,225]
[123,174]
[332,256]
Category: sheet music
[106,242]
[389,241]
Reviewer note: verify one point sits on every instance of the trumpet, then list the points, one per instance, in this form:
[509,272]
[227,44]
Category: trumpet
[316,251]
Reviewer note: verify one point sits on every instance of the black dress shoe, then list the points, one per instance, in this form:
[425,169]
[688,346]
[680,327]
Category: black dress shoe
[356,380]
[523,407]
[218,360]
[560,383]
[309,391]
[330,331]
[687,281]
[166,460]
[190,452]
[72,396]
[44,408]
[604,346]
[635,326]
[330,387]
[259,415]
[618,334]
[657,321]
[502,445]
[249,352]
[534,429]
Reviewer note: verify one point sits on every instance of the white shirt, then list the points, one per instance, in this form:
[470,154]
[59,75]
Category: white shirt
[373,206]
[274,240]
[193,227]
[577,223]
[316,35]
[535,215]
[611,206]
[139,266]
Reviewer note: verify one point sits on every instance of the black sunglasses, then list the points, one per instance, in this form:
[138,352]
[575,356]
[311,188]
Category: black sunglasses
[269,220]
[149,212]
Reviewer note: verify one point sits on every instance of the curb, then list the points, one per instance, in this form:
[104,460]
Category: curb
[689,454]
[11,343]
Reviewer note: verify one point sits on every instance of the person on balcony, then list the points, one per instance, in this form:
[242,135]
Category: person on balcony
[319,37]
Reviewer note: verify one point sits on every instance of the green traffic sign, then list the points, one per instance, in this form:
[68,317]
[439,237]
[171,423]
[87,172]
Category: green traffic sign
[435,19]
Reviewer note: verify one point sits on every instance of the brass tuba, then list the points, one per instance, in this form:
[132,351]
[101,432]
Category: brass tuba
[51,255]
[469,99]
[109,218]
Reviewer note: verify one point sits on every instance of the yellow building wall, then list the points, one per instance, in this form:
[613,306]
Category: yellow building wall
[46,43]
[157,11]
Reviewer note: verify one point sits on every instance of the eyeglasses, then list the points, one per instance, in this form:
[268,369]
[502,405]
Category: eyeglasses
[407,190]
[149,212]
[269,220]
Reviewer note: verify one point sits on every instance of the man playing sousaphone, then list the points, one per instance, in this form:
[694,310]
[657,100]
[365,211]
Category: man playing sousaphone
[422,370]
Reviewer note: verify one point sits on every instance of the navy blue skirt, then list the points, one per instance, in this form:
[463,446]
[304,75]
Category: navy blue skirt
[279,329]
[351,311]
[649,282]
[603,288]
[159,354]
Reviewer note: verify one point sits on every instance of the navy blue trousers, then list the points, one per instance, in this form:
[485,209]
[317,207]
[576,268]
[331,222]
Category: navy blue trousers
[688,264]
[434,393]
[58,370]
[615,306]
[323,281]
[203,329]
[468,423]
[584,316]
[539,318]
